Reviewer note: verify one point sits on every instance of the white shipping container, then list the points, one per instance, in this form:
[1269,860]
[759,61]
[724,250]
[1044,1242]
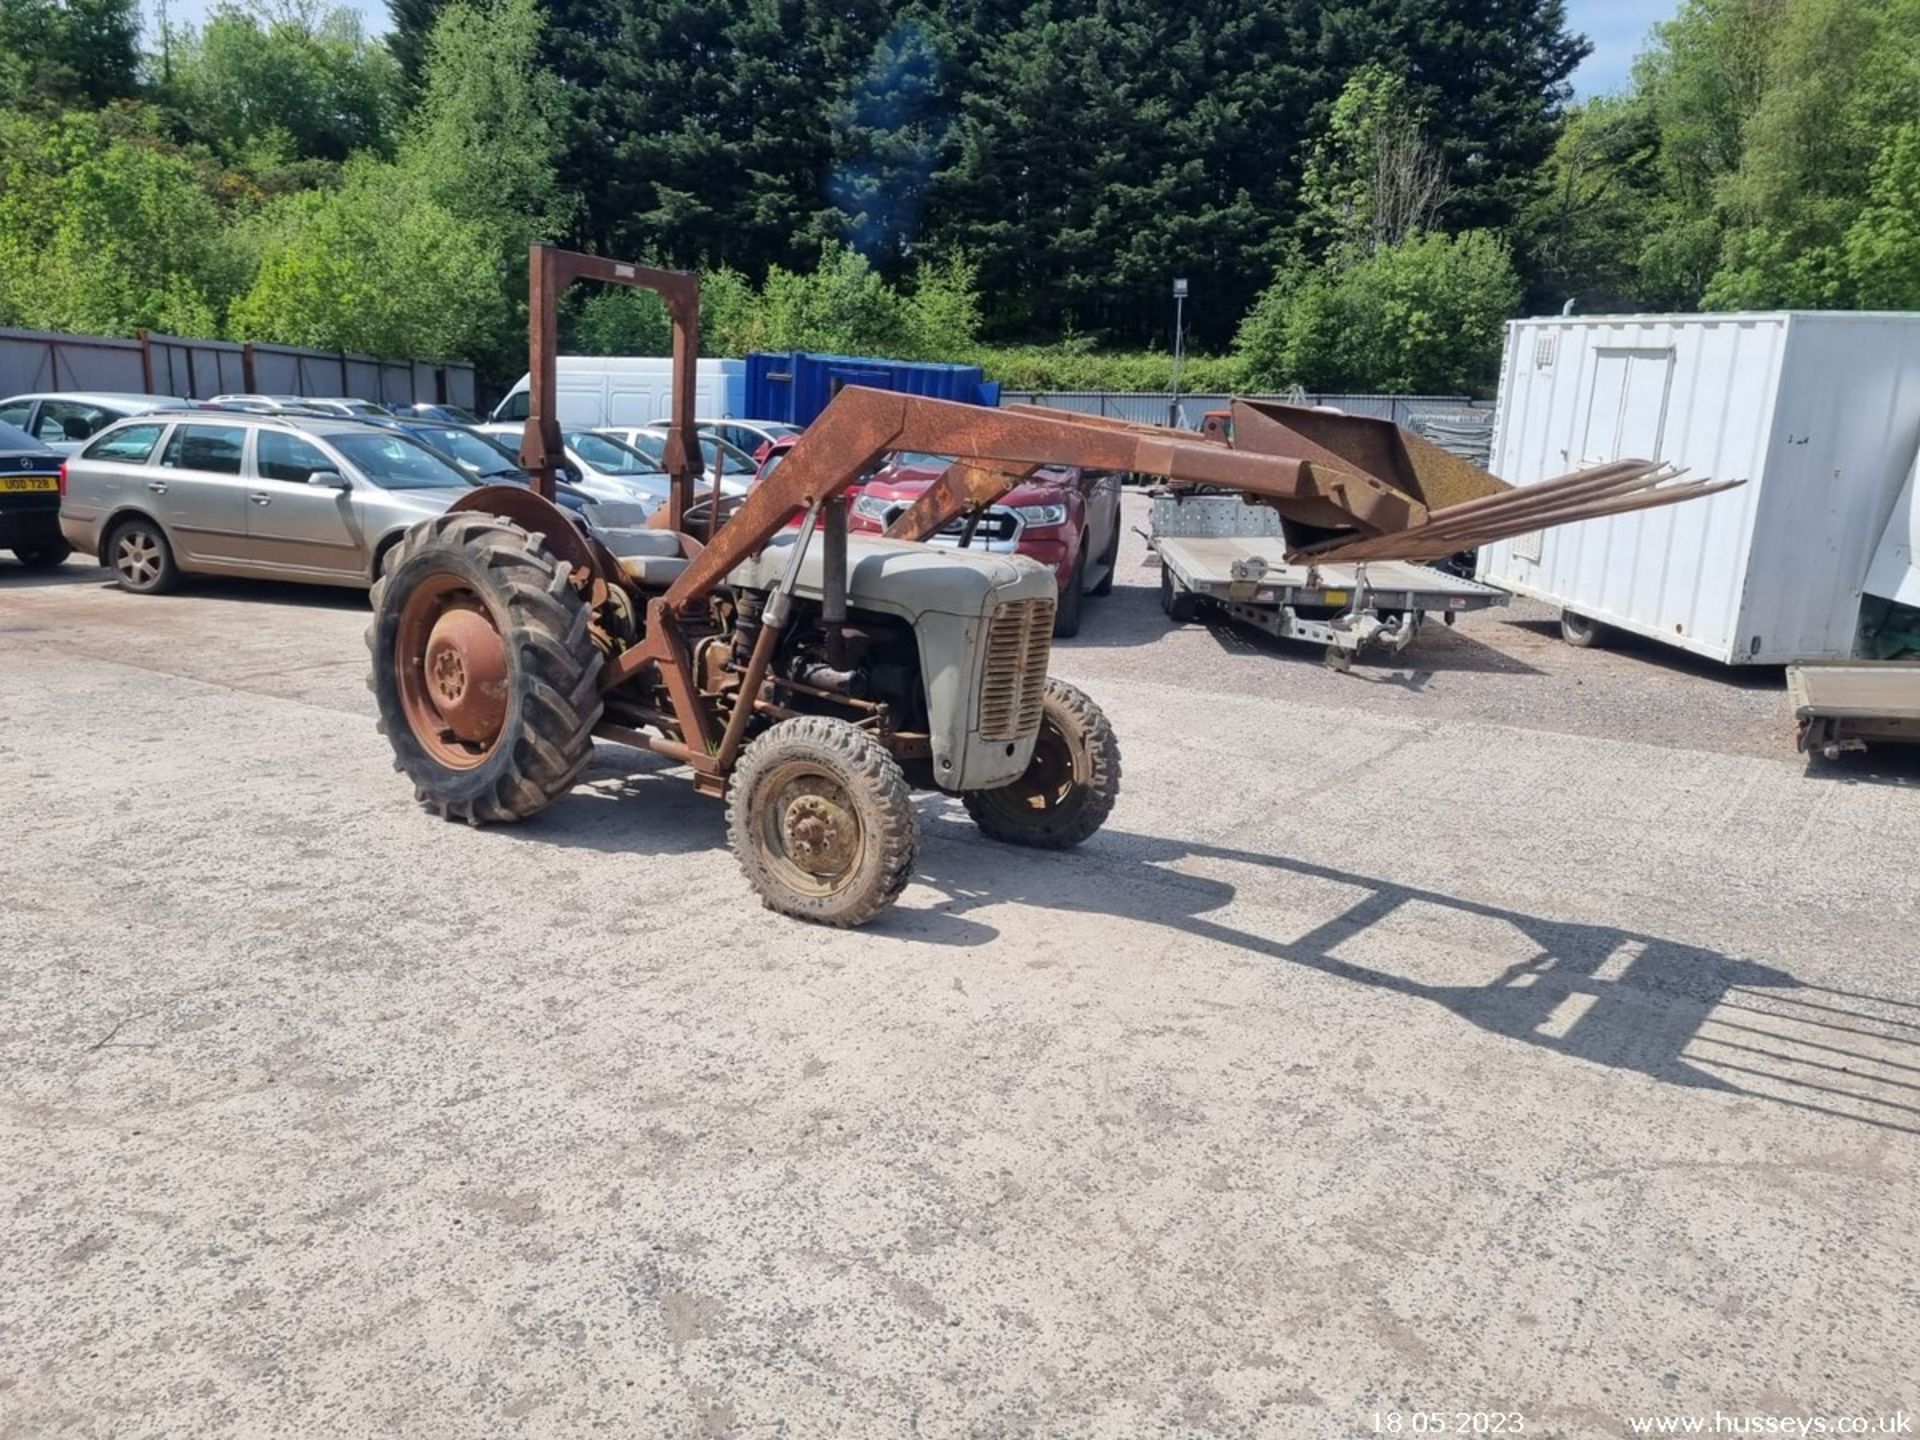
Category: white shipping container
[1818,412]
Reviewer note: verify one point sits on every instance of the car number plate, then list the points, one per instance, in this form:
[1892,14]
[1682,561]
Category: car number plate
[28,482]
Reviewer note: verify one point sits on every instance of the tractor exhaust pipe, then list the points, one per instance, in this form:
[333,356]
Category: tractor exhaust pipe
[833,580]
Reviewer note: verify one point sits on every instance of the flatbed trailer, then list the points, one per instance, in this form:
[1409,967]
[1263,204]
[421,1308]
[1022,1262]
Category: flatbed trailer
[1216,550]
[1840,705]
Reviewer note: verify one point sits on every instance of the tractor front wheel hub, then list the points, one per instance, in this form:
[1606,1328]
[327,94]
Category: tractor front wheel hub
[819,835]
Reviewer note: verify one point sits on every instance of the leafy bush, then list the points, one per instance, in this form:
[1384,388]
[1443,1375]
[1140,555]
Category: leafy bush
[1071,367]
[1422,317]
[843,306]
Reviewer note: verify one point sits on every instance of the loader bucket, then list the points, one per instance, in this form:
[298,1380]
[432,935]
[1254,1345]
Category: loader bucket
[1454,505]
[1378,448]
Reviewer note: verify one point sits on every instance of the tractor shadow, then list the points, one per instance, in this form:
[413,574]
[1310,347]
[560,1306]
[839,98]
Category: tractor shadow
[1680,1014]
[1677,1013]
[631,802]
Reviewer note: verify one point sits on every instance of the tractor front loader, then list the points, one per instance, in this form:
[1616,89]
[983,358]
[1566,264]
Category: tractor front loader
[806,676]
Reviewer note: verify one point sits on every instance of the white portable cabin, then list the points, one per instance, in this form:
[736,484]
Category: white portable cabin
[597,390]
[1819,412]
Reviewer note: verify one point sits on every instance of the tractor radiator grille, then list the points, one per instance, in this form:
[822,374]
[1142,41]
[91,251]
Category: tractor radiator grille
[1019,640]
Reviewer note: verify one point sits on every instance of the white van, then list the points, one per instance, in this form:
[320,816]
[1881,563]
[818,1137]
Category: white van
[601,390]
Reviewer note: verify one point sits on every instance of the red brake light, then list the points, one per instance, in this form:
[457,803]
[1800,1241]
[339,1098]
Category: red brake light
[63,479]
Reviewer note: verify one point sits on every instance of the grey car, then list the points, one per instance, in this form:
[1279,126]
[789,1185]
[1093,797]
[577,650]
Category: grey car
[344,406]
[281,497]
[67,419]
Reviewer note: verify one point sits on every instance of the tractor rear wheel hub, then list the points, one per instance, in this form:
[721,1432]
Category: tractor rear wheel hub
[466,675]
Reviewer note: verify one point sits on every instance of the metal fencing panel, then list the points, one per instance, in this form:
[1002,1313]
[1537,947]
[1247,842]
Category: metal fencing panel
[1159,407]
[193,369]
[457,385]
[35,360]
[41,360]
[362,376]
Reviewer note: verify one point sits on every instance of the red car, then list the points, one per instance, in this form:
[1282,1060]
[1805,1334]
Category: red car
[1065,517]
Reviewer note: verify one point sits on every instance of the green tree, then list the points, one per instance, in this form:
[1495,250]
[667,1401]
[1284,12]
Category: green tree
[1372,179]
[69,51]
[1601,231]
[1487,77]
[483,140]
[375,267]
[306,84]
[106,228]
[412,25]
[1882,246]
[700,132]
[890,128]
[1100,154]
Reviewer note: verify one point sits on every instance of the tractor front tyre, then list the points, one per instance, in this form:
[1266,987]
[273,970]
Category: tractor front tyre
[1070,784]
[821,820]
[483,667]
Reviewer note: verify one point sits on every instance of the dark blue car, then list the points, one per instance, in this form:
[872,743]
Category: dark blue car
[30,500]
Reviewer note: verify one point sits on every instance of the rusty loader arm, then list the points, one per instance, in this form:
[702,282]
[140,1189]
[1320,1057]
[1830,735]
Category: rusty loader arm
[1347,487]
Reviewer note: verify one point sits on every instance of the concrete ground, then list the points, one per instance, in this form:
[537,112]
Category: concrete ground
[1512,1029]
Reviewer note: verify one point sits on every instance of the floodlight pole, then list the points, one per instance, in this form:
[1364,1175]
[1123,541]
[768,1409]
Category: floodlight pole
[1179,336]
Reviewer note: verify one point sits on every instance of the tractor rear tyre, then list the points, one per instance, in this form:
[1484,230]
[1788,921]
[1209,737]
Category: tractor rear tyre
[483,667]
[820,818]
[1070,784]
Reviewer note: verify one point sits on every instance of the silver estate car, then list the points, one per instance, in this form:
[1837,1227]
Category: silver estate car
[281,497]
[67,419]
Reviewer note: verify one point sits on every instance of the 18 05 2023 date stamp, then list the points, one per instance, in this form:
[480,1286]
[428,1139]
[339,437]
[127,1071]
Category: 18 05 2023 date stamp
[1448,1422]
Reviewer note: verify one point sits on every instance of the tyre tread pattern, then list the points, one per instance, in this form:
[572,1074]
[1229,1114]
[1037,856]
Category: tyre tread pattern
[875,784]
[547,628]
[1075,713]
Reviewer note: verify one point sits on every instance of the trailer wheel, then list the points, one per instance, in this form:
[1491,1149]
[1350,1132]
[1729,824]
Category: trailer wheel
[1182,605]
[483,668]
[1581,632]
[820,819]
[1070,784]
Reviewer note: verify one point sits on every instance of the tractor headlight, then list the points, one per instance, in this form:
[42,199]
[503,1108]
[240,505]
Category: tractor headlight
[872,507]
[1041,515]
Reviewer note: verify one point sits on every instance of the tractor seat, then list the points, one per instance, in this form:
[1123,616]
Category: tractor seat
[650,558]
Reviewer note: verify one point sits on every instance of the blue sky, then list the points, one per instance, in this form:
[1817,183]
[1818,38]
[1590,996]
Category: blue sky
[1617,28]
